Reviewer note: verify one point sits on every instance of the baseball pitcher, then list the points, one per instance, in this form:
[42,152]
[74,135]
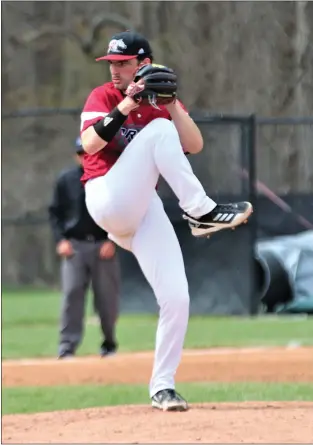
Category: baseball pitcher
[133,130]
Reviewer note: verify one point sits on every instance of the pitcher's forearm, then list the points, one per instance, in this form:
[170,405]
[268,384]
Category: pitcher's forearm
[97,136]
[189,133]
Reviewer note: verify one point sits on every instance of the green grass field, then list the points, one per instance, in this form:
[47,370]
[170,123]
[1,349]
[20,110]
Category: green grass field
[30,329]
[31,400]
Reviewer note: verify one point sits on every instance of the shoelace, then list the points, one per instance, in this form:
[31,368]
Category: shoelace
[172,393]
[221,208]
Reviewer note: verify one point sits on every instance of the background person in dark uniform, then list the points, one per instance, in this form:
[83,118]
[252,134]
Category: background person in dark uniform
[86,256]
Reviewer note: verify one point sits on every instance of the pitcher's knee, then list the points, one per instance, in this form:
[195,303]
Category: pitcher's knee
[162,125]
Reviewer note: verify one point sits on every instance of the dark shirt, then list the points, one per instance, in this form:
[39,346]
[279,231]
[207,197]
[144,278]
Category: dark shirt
[68,214]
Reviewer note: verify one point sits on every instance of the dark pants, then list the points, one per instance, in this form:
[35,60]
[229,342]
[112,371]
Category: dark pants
[77,272]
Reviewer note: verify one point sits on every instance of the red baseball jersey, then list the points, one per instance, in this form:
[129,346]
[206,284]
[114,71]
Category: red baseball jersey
[100,102]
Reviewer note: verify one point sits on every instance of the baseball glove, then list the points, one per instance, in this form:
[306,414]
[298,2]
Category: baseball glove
[158,86]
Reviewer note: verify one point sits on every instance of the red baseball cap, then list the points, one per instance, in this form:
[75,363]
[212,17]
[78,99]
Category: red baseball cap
[127,45]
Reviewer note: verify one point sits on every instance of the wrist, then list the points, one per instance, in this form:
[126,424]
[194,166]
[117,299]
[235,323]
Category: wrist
[107,127]
[127,105]
[172,107]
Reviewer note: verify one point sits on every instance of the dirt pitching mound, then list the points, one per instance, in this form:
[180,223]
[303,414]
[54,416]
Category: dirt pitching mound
[206,423]
[221,423]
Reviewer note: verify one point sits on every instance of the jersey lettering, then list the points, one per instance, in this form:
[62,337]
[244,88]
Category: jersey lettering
[126,135]
[129,133]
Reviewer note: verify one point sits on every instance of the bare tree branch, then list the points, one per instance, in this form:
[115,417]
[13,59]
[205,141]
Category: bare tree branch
[86,43]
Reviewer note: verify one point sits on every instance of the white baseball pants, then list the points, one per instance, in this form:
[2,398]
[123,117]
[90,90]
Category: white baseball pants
[124,202]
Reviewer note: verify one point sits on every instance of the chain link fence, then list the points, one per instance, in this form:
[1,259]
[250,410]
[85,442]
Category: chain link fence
[268,161]
[284,159]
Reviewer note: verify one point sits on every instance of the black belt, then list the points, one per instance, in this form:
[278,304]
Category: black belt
[90,238]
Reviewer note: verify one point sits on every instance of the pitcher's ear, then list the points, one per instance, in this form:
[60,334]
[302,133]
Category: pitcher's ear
[145,61]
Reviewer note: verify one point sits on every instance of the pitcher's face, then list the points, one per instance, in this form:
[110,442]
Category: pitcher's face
[123,72]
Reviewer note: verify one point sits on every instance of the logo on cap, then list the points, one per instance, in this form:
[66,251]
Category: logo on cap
[117,46]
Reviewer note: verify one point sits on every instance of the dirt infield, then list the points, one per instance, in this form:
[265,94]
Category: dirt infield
[205,423]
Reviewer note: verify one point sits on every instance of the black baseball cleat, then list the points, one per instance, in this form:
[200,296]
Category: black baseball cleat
[223,216]
[108,348]
[169,400]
